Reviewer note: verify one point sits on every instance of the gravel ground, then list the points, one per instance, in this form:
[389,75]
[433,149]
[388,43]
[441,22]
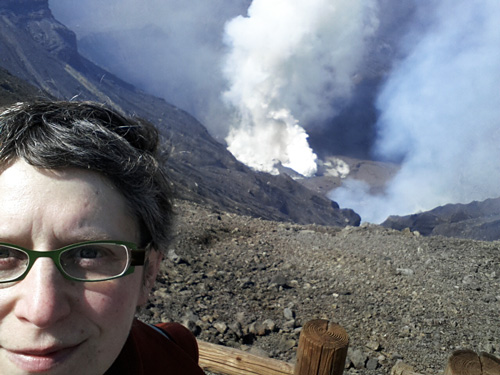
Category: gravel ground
[252,284]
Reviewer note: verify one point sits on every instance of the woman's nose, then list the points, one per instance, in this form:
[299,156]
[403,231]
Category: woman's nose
[43,298]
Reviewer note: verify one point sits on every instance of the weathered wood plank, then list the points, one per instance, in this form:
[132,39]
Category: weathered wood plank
[230,361]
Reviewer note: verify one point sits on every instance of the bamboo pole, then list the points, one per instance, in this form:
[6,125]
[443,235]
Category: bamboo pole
[322,349]
[230,361]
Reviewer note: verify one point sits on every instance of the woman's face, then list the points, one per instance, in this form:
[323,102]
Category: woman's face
[49,324]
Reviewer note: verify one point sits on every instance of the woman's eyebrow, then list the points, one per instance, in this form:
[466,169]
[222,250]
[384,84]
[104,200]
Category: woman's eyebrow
[83,235]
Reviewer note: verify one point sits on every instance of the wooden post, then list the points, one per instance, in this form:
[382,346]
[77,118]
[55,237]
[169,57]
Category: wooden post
[463,362]
[490,364]
[467,362]
[322,349]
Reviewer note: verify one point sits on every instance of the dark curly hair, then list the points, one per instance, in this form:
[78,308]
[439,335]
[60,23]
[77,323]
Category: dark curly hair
[60,134]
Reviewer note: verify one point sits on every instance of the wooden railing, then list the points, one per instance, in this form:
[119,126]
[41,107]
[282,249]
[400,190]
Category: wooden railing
[228,361]
[322,350]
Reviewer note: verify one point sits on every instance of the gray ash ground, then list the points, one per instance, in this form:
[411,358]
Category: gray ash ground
[252,284]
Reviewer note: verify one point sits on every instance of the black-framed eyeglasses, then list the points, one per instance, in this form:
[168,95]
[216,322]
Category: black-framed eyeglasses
[84,261]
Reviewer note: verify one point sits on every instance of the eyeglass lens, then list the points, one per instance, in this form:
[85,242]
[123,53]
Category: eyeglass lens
[96,261]
[13,262]
[85,262]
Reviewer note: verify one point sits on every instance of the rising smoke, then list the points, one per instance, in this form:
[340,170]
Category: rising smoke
[289,63]
[255,73]
[440,115]
[261,74]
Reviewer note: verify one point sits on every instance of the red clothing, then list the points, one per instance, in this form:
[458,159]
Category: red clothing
[149,352]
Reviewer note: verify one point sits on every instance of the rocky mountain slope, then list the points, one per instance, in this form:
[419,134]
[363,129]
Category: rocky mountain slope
[476,220]
[39,50]
[13,89]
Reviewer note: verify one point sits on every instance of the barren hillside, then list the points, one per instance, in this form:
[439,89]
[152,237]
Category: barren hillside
[252,284]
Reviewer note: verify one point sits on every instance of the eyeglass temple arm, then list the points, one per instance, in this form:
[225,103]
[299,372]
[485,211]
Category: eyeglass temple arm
[137,257]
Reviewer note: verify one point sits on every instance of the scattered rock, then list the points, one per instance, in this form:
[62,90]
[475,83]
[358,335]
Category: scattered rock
[345,276]
[236,329]
[288,313]
[286,344]
[372,364]
[404,271]
[172,255]
[357,358]
[258,351]
[289,325]
[221,327]
[400,368]
[269,325]
[279,280]
[373,345]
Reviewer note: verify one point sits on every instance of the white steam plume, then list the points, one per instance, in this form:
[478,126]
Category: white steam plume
[287,65]
[440,112]
[291,61]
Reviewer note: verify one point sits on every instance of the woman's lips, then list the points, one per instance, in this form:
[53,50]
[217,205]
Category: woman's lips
[40,360]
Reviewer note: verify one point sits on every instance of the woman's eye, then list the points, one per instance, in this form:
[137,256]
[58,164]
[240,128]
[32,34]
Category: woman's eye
[6,252]
[11,258]
[94,255]
[90,252]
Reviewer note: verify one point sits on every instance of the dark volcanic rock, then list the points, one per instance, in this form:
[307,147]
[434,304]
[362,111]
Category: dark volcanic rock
[476,220]
[43,52]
